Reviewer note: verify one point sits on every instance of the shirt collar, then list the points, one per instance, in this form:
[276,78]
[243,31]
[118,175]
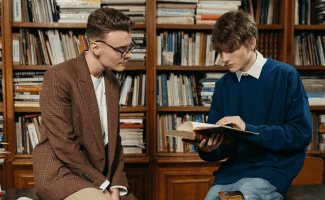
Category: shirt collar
[255,70]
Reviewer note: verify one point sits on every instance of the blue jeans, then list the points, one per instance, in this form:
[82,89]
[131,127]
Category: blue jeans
[252,189]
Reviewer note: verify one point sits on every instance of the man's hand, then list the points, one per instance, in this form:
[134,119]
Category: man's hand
[112,194]
[209,145]
[237,122]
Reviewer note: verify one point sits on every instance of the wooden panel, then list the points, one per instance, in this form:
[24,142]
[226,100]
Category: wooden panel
[26,181]
[138,181]
[22,178]
[188,186]
[190,181]
[2,178]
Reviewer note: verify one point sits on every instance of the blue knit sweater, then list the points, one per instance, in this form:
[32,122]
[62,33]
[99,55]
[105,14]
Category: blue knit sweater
[275,106]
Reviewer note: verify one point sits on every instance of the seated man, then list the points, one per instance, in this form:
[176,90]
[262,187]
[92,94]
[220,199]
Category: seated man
[260,95]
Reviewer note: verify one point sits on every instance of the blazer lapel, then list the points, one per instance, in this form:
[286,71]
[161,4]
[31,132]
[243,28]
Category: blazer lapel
[88,95]
[112,100]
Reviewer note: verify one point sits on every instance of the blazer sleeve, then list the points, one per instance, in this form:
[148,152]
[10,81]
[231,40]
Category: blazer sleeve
[56,108]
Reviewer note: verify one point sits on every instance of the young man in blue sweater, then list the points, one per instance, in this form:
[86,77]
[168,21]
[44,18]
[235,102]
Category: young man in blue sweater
[260,95]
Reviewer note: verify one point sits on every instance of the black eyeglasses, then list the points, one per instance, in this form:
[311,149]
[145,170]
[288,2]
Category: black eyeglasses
[123,53]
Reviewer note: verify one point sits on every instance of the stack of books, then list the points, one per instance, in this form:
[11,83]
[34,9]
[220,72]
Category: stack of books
[131,131]
[315,89]
[206,87]
[135,9]
[139,53]
[27,87]
[3,151]
[76,11]
[207,12]
[180,13]
[319,12]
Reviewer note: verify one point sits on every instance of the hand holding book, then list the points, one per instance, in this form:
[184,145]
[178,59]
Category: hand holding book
[195,132]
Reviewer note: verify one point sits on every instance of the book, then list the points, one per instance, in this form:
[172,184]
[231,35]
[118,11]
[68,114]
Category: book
[196,131]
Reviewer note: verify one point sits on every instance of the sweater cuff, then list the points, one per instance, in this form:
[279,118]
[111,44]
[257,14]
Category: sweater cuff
[209,156]
[251,128]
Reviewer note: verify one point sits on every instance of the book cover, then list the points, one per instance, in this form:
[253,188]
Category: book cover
[196,131]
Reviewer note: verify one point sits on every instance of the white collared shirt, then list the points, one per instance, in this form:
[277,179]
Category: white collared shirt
[255,70]
[99,87]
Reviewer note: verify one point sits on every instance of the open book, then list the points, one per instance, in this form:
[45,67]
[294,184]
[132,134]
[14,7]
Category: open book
[196,131]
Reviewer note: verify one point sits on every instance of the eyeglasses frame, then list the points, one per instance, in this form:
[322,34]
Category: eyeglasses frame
[131,47]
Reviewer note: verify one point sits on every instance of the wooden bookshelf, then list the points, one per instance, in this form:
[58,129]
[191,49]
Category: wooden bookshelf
[152,173]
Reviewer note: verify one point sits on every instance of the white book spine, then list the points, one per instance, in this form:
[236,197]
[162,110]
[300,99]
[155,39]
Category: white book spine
[16,11]
[143,98]
[197,48]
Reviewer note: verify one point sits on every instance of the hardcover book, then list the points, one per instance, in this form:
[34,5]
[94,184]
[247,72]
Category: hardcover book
[196,131]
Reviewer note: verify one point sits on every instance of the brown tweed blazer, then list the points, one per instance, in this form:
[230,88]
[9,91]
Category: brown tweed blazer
[71,153]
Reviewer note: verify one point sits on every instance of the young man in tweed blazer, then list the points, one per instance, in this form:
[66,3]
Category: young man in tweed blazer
[79,155]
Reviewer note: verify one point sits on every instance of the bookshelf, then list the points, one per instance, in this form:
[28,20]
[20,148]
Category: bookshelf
[163,171]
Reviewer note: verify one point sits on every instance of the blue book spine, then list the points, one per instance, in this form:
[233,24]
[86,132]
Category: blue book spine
[303,12]
[164,90]
[207,90]
[191,95]
[157,96]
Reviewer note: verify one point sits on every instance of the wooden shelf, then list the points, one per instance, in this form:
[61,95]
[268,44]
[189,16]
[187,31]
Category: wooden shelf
[310,67]
[122,109]
[1,109]
[60,25]
[23,159]
[46,67]
[183,109]
[315,108]
[310,27]
[27,109]
[181,158]
[191,68]
[209,27]
[133,109]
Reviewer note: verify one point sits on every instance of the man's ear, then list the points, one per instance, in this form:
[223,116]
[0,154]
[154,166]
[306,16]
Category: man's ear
[253,44]
[94,48]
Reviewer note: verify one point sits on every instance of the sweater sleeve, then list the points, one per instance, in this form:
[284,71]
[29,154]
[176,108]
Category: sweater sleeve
[296,132]
[214,116]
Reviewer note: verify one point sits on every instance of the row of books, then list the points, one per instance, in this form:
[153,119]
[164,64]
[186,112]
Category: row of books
[131,131]
[51,47]
[185,90]
[309,12]
[167,122]
[318,137]
[133,89]
[76,11]
[27,132]
[184,48]
[309,49]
